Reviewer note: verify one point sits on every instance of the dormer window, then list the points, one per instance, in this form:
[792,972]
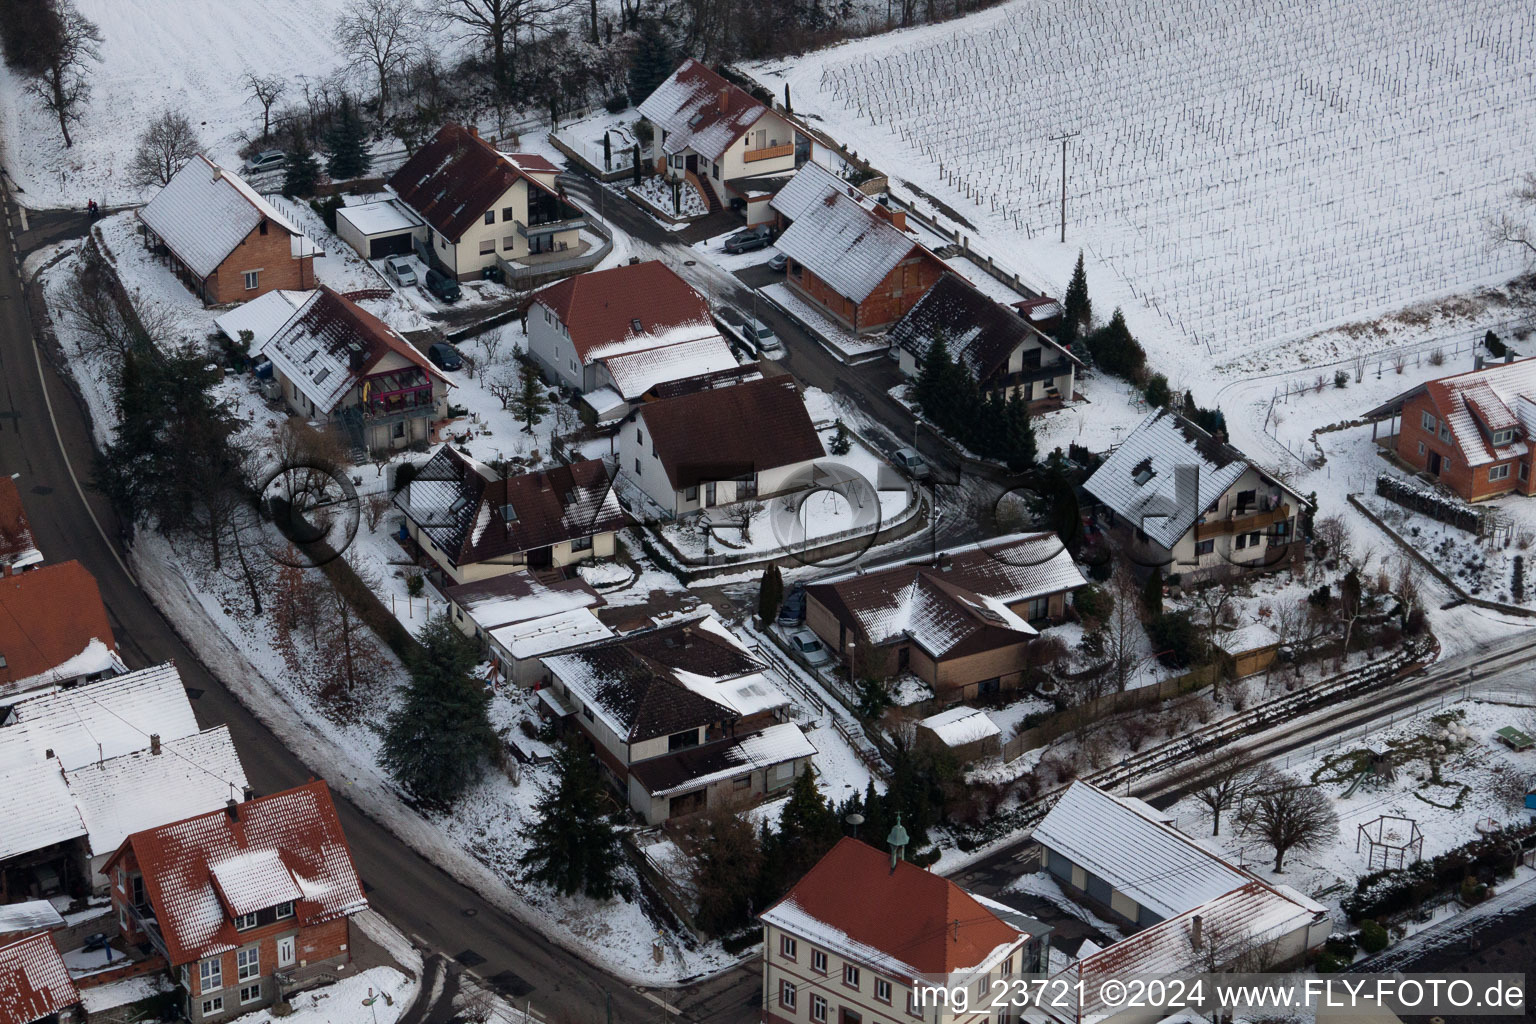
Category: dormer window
[245,922]
[1503,437]
[284,910]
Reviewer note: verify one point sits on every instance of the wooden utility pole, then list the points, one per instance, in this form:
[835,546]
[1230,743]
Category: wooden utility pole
[1063,139]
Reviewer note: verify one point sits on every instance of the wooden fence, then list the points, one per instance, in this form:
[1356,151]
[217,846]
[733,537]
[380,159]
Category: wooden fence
[1109,704]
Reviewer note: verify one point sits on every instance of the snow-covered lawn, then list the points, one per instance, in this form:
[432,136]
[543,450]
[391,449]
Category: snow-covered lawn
[655,193]
[586,137]
[342,1002]
[1238,176]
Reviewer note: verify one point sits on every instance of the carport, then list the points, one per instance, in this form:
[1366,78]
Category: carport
[378,229]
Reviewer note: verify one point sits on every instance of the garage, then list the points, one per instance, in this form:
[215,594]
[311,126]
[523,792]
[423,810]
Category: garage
[378,229]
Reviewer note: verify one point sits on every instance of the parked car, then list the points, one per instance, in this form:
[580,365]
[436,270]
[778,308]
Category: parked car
[778,263]
[808,647]
[445,356]
[399,268]
[792,611]
[752,238]
[266,160]
[755,336]
[910,462]
[445,288]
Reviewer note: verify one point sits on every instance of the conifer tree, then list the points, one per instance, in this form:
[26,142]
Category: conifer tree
[808,828]
[770,594]
[439,738]
[302,171]
[574,846]
[1152,594]
[1077,309]
[1115,350]
[1018,448]
[934,380]
[529,403]
[653,62]
[841,443]
[347,142]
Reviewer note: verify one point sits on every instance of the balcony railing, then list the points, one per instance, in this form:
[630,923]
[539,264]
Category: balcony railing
[1245,523]
[143,917]
[769,152]
[549,227]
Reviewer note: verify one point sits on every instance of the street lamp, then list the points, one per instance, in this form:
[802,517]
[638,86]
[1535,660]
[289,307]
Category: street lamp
[855,819]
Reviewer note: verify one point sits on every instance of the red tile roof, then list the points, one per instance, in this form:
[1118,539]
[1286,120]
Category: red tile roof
[47,616]
[908,920]
[599,309]
[453,179]
[200,872]
[16,543]
[731,432]
[532,163]
[34,983]
[700,111]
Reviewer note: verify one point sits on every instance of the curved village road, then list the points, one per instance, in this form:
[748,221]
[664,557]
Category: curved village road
[410,890]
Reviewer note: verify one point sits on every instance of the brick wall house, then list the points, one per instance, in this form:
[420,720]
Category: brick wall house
[246,904]
[223,239]
[1471,431]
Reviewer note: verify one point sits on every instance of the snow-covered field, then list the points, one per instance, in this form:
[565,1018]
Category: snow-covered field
[1240,174]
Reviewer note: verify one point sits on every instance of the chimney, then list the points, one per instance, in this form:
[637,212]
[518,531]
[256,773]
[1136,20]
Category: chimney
[1195,930]
[232,809]
[725,98]
[1477,363]
[474,131]
[249,794]
[897,840]
[1509,357]
[154,743]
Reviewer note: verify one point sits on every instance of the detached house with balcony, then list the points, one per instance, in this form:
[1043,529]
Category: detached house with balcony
[866,935]
[682,718]
[224,240]
[338,363]
[469,207]
[247,903]
[961,622]
[1193,505]
[850,254]
[1001,348]
[721,445]
[719,139]
[474,523]
[1472,431]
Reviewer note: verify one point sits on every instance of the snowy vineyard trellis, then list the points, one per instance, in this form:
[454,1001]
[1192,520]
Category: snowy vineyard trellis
[1250,171]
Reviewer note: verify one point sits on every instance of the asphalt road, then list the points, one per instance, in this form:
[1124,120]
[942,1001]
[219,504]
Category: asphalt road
[412,892]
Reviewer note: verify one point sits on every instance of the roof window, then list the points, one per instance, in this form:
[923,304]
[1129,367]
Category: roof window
[636,325]
[508,513]
[1143,472]
[693,122]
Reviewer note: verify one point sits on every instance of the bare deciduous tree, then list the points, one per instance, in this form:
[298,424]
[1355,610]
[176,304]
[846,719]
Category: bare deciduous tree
[503,385]
[61,79]
[383,34]
[1516,231]
[266,90]
[1287,815]
[1122,631]
[503,25]
[741,515]
[1224,774]
[165,146]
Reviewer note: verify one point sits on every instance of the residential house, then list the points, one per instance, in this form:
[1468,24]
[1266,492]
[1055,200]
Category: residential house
[1002,349]
[520,618]
[849,254]
[717,137]
[478,209]
[247,903]
[18,549]
[53,630]
[167,781]
[1470,431]
[1192,910]
[44,847]
[961,622]
[681,717]
[865,936]
[1193,505]
[35,987]
[626,330]
[338,363]
[224,240]
[474,523]
[722,445]
[964,733]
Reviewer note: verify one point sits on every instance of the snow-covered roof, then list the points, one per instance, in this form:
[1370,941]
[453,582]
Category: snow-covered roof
[263,316]
[839,236]
[205,211]
[959,604]
[520,596]
[978,331]
[99,720]
[1164,475]
[607,403]
[191,775]
[906,922]
[384,216]
[1251,637]
[628,308]
[36,808]
[702,766]
[53,628]
[28,916]
[202,871]
[635,373]
[34,982]
[700,111]
[1156,865]
[557,632]
[960,725]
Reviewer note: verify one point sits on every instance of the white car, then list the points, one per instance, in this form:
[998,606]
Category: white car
[399,268]
[912,463]
[267,160]
[809,647]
